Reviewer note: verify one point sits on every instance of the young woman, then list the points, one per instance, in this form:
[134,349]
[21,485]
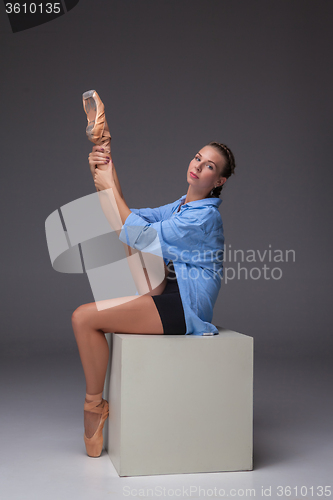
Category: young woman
[190,234]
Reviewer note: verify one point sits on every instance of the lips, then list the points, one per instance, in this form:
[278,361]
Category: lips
[193,175]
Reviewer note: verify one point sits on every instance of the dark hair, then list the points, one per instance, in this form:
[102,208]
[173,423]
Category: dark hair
[228,169]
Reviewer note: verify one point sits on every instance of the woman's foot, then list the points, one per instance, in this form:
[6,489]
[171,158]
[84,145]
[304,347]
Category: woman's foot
[95,414]
[91,421]
[97,129]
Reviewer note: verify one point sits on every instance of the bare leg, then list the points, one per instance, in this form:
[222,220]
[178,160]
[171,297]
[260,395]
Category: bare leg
[90,324]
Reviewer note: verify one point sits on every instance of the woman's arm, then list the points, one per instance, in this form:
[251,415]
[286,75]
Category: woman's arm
[97,158]
[100,159]
[116,211]
[113,203]
[105,180]
[154,214]
[176,238]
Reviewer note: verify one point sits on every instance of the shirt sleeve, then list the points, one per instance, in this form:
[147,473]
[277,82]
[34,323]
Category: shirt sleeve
[148,214]
[152,215]
[171,238]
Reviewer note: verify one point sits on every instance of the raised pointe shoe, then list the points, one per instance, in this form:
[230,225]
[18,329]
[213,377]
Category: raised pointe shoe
[97,129]
[94,444]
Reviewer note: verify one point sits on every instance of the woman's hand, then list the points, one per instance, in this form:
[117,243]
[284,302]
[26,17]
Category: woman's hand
[103,179]
[97,158]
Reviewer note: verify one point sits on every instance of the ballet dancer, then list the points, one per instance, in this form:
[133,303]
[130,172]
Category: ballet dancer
[190,233]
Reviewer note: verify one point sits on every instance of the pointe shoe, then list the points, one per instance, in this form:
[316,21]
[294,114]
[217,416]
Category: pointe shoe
[97,129]
[94,444]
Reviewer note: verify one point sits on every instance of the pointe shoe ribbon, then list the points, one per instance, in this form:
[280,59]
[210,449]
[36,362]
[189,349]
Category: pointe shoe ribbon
[94,444]
[97,129]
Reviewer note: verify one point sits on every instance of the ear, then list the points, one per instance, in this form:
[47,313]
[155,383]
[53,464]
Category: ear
[221,181]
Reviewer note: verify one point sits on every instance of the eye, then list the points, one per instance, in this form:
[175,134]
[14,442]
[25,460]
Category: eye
[209,166]
[197,158]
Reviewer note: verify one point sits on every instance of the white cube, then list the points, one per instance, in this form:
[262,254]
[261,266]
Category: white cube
[179,403]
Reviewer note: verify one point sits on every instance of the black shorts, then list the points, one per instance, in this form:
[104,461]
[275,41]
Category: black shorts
[170,307]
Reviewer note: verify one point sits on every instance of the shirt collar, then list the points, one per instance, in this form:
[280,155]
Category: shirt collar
[202,203]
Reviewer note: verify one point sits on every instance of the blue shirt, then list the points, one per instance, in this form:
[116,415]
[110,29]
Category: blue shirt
[193,239]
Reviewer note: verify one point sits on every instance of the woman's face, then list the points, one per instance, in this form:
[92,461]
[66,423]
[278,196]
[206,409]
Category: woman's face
[204,171]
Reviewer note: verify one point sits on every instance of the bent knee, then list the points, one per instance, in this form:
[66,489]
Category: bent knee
[80,315]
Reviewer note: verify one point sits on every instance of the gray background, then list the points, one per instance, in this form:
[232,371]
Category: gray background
[174,75]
